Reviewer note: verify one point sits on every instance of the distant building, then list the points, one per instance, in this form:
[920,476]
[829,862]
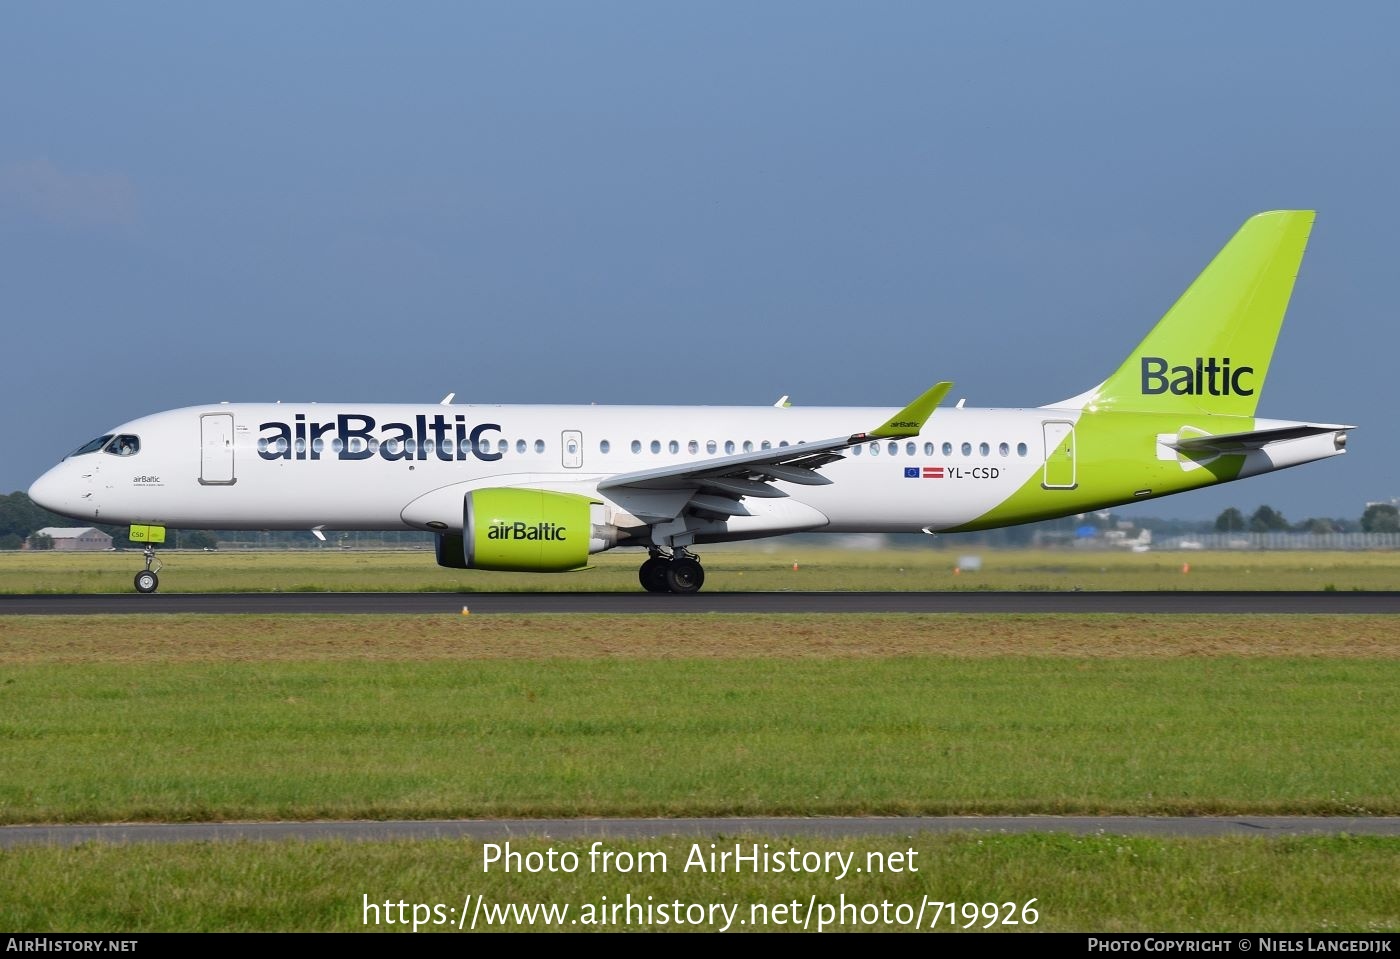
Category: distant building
[77,537]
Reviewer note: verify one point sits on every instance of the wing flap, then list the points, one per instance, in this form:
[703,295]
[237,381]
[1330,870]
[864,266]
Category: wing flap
[738,486]
[801,475]
[719,504]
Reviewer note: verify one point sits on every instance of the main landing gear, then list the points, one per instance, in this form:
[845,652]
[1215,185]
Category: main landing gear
[147,580]
[680,572]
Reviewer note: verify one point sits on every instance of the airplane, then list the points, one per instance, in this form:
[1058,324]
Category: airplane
[542,488]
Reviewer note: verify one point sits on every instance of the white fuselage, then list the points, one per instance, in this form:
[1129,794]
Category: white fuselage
[397,467]
[224,466]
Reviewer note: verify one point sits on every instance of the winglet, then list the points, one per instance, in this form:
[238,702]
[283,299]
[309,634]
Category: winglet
[910,420]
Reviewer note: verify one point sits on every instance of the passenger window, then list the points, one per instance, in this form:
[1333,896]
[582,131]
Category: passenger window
[984,449]
[318,445]
[604,446]
[893,448]
[729,446]
[874,449]
[1004,450]
[947,449]
[1021,449]
[428,446]
[411,446]
[337,444]
[855,450]
[539,446]
[636,446]
[967,449]
[656,446]
[520,446]
[911,448]
[766,445]
[928,449]
[748,446]
[673,447]
[711,446]
[782,444]
[502,446]
[692,447]
[301,446]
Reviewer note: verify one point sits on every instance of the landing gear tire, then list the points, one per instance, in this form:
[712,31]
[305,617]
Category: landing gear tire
[147,581]
[685,575]
[653,575]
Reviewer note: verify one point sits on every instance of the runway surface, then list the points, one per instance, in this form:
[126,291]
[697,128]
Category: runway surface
[496,829]
[669,604]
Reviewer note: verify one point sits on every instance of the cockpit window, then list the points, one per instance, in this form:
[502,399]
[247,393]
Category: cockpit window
[92,446]
[125,445]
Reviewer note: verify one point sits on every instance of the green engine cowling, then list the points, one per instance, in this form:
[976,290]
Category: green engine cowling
[526,530]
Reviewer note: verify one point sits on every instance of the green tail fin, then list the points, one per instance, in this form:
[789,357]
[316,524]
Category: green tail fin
[1211,351]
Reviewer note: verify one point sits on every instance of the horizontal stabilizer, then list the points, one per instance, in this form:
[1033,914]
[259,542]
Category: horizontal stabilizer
[1256,439]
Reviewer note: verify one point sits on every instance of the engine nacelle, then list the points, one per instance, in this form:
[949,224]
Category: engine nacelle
[451,551]
[526,530]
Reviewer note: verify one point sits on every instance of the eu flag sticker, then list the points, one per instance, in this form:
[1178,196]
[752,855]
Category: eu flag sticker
[911,472]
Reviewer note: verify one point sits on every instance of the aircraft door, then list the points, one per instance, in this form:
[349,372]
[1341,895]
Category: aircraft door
[1060,471]
[572,449]
[216,449]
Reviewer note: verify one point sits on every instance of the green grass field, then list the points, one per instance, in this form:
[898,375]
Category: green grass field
[746,569]
[221,717]
[306,717]
[1098,883]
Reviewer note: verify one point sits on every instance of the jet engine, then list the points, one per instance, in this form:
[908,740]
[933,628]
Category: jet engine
[527,530]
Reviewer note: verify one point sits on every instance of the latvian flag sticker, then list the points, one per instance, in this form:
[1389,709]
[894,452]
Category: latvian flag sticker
[929,472]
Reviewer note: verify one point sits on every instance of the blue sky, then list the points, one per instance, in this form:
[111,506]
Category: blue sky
[663,203]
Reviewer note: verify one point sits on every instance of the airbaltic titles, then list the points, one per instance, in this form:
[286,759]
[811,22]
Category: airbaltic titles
[355,438]
[1199,380]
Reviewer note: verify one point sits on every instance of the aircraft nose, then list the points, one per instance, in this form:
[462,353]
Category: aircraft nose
[45,492]
[55,492]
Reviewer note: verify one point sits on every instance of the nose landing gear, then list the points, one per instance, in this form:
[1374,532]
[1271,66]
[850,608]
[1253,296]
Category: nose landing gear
[147,581]
[680,572]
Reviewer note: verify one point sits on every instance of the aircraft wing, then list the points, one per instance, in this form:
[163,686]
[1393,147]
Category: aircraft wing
[1257,439]
[718,484]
